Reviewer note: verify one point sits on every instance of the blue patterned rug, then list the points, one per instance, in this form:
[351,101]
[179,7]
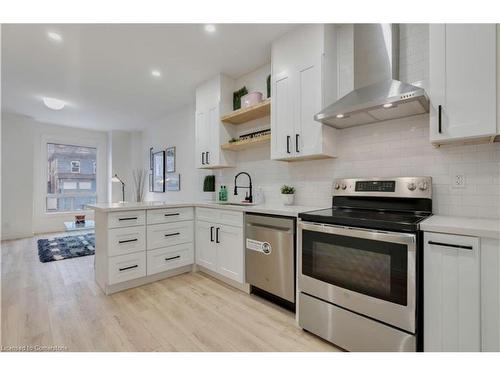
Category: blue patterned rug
[66,247]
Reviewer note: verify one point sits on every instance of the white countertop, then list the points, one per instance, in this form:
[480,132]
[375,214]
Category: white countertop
[466,226]
[259,208]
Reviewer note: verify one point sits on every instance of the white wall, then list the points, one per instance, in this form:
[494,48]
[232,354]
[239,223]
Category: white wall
[176,129]
[24,173]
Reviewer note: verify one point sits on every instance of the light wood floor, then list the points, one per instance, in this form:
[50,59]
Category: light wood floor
[58,303]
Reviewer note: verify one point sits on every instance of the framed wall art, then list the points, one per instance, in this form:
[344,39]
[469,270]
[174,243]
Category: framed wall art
[159,172]
[170,160]
[173,182]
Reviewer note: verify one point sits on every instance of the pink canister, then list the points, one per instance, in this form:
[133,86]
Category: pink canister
[251,99]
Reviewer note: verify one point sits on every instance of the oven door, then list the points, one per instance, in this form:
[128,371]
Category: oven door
[365,271]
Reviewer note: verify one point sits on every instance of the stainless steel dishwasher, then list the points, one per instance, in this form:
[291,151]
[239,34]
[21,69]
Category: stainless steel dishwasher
[270,257]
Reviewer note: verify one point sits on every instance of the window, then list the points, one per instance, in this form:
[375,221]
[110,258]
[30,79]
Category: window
[75,166]
[71,178]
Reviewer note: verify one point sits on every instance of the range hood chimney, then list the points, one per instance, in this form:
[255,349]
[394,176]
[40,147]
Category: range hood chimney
[378,95]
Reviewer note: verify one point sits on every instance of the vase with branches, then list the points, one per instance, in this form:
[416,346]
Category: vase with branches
[139,182]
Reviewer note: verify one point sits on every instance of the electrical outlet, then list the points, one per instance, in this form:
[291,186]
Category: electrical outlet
[459,181]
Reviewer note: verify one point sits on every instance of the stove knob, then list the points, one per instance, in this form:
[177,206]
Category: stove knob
[337,187]
[344,186]
[422,186]
[411,186]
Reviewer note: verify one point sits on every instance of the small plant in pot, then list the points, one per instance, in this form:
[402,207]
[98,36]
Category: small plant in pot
[287,194]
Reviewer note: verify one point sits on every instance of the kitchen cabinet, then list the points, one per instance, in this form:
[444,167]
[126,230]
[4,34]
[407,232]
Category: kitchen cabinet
[213,98]
[452,320]
[135,247]
[462,84]
[219,246]
[299,89]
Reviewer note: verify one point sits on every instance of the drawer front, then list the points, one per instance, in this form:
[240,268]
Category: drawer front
[126,267]
[162,235]
[126,240]
[169,215]
[228,217]
[126,218]
[169,258]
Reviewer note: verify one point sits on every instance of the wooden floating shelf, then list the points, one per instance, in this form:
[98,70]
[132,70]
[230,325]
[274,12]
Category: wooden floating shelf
[243,115]
[241,145]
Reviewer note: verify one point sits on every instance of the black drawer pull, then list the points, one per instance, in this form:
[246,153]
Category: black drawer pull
[125,241]
[450,245]
[217,235]
[176,214]
[211,234]
[128,268]
[203,158]
[297,142]
[172,258]
[440,110]
[287,144]
[127,218]
[172,234]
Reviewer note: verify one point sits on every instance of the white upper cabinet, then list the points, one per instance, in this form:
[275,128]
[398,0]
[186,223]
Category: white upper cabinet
[462,86]
[213,98]
[297,94]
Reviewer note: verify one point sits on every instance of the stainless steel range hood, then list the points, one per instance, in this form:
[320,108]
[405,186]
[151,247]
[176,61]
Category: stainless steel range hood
[378,95]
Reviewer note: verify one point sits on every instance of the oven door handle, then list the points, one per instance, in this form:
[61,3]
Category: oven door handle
[369,234]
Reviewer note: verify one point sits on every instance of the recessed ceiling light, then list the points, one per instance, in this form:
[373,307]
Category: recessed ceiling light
[54,36]
[53,103]
[387,105]
[340,115]
[156,73]
[210,28]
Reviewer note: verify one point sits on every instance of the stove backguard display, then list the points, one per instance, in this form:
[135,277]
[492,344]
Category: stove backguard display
[378,186]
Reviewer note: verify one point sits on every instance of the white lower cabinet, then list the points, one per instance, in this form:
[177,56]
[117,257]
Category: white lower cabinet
[126,267]
[169,258]
[206,255]
[219,247]
[452,319]
[161,235]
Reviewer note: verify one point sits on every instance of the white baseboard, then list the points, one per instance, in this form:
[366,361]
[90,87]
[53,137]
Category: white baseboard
[16,236]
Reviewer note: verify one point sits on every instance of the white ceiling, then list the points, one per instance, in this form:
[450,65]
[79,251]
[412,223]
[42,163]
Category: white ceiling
[104,71]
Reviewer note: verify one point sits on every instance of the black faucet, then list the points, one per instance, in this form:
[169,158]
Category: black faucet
[248,196]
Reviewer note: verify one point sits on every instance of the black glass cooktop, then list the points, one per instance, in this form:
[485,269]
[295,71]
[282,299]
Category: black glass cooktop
[407,221]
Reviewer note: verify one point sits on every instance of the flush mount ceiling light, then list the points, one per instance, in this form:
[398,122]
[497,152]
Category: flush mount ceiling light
[54,36]
[156,73]
[387,105]
[340,115]
[53,103]
[210,28]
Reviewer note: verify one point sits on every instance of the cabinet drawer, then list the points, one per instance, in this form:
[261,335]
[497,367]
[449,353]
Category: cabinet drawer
[126,240]
[161,235]
[168,258]
[126,218]
[228,217]
[169,215]
[127,267]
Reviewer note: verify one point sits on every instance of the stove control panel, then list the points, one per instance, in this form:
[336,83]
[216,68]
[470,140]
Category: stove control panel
[404,187]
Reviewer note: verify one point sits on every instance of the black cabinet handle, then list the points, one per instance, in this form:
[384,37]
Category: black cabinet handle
[440,111]
[203,158]
[211,234]
[125,241]
[297,142]
[172,258]
[128,268]
[167,215]
[127,218]
[208,159]
[217,235]
[172,234]
[287,144]
[450,245]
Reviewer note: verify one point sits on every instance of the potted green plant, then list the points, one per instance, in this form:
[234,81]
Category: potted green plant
[287,195]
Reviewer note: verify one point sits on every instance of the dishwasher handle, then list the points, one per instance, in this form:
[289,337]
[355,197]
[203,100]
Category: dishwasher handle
[270,227]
